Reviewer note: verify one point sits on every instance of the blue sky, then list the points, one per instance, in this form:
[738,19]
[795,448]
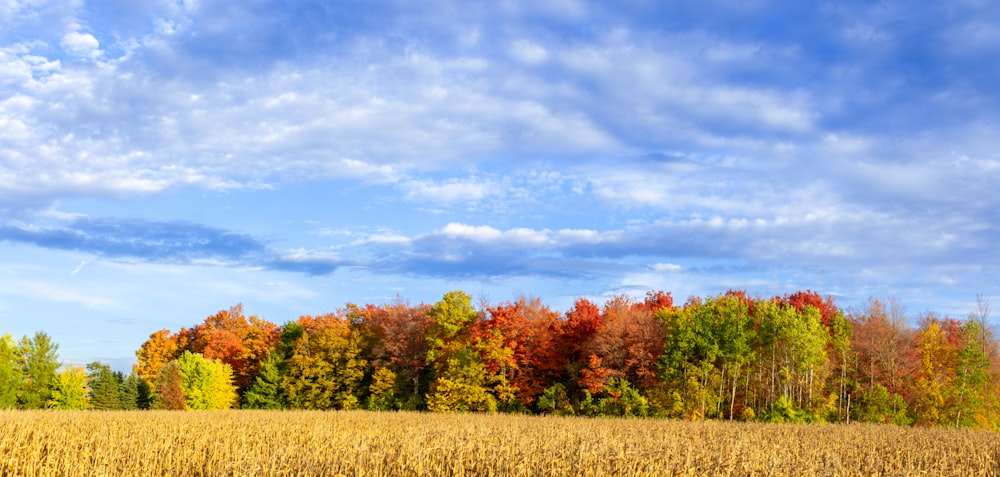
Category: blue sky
[162,160]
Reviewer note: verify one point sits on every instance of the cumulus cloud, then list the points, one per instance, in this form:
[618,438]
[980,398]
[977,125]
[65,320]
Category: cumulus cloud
[81,44]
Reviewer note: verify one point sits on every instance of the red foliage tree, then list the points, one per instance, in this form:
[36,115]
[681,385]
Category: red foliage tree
[396,337]
[529,330]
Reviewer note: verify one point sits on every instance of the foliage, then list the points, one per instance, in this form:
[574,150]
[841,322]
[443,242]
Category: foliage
[39,362]
[461,386]
[207,383]
[69,389]
[10,372]
[266,393]
[325,368]
[382,391]
[790,358]
[134,393]
[169,391]
[105,387]
[555,400]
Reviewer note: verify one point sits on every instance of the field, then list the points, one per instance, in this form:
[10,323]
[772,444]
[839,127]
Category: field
[81,443]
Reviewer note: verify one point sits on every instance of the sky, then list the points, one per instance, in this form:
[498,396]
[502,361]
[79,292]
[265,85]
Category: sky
[162,160]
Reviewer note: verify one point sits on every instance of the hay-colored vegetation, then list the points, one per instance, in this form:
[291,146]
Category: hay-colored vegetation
[303,443]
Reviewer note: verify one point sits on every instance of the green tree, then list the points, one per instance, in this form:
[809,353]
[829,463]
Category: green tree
[39,364]
[69,389]
[11,376]
[134,393]
[105,387]
[555,400]
[621,399]
[688,364]
[207,383]
[265,392]
[975,389]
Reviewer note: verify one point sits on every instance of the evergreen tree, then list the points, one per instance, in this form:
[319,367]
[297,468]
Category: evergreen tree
[134,393]
[104,387]
[265,393]
[39,364]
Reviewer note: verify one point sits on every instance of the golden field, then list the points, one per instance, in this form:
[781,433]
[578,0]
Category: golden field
[359,443]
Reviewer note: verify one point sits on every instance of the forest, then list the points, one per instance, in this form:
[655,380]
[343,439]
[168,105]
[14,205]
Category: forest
[791,358]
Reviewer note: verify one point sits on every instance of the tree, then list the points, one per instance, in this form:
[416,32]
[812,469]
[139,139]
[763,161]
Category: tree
[134,393]
[105,387]
[938,360]
[582,323]
[266,393]
[161,348]
[460,377]
[69,389]
[627,344]
[461,386]
[394,337]
[382,391]
[325,366]
[39,364]
[450,318]
[792,346]
[11,375]
[883,346]
[520,347]
[207,383]
[241,342]
[169,391]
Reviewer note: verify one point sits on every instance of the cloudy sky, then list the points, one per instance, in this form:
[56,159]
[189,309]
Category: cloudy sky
[161,160]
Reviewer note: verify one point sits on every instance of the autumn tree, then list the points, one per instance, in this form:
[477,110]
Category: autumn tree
[239,341]
[161,348]
[394,341]
[461,380]
[461,385]
[69,389]
[582,322]
[325,367]
[207,383]
[519,343]
[883,345]
[169,391]
[450,318]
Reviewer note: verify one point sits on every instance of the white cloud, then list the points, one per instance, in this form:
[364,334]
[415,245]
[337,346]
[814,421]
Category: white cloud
[528,52]
[81,44]
[449,191]
[667,267]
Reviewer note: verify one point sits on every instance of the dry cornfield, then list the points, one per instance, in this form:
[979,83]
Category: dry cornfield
[357,443]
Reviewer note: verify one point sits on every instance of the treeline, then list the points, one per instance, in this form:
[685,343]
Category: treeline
[792,358]
[32,377]
[796,358]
